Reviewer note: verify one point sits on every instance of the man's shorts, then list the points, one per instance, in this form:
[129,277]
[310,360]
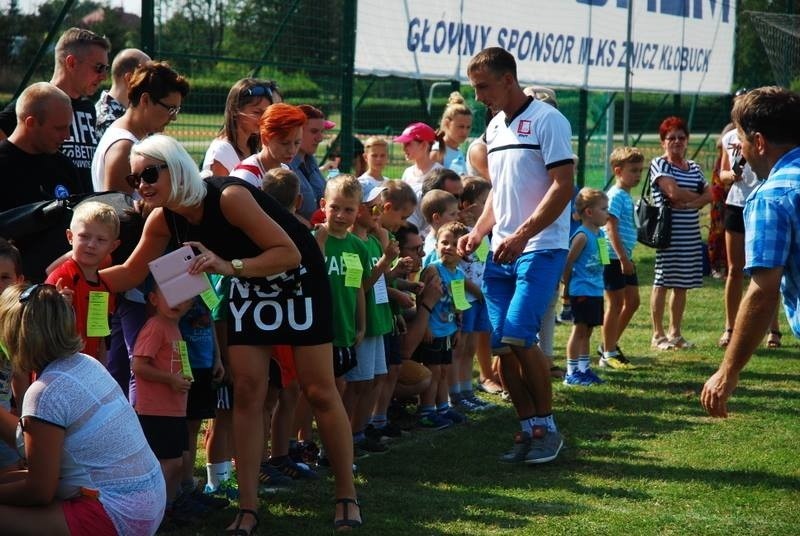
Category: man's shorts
[518,294]
[437,352]
[371,360]
[168,437]
[734,219]
[587,310]
[476,318]
[614,279]
[202,400]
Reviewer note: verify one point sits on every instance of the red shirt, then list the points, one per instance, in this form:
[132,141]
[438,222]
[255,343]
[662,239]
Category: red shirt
[72,277]
[158,341]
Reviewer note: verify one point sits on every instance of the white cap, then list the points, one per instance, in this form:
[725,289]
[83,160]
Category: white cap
[370,189]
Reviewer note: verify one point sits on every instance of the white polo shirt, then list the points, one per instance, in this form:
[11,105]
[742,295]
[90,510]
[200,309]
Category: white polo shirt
[520,151]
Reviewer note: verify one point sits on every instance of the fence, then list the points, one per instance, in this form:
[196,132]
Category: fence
[308,48]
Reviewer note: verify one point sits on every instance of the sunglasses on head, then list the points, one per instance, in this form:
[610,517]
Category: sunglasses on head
[262,91]
[148,175]
[29,293]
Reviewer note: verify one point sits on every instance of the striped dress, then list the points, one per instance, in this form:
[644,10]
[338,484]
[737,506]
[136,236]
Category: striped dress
[681,264]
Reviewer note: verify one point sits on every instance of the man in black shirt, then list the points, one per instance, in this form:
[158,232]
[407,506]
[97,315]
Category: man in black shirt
[81,65]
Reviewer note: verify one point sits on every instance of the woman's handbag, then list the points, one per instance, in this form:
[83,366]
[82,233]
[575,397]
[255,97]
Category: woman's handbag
[653,223]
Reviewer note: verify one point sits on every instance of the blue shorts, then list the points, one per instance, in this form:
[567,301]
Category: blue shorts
[517,295]
[476,318]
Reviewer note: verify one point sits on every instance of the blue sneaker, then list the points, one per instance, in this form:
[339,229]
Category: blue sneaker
[452,415]
[592,378]
[434,421]
[294,470]
[228,489]
[576,378]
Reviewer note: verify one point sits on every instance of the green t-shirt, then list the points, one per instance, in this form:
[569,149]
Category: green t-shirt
[379,315]
[344,297]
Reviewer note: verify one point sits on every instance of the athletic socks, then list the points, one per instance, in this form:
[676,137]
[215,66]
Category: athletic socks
[218,473]
[583,363]
[572,366]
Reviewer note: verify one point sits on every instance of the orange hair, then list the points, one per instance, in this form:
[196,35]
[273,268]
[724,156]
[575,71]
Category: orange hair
[279,119]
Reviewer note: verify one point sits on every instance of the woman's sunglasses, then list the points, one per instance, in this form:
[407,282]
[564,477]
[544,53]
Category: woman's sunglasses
[148,175]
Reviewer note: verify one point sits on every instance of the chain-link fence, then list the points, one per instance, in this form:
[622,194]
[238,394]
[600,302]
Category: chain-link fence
[304,46]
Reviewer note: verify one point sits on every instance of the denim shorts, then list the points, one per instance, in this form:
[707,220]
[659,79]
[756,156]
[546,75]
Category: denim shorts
[517,295]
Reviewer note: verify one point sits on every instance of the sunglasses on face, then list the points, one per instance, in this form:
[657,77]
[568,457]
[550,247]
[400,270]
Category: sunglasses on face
[262,91]
[173,111]
[148,175]
[101,68]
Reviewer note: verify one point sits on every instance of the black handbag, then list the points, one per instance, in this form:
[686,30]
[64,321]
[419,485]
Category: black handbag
[653,223]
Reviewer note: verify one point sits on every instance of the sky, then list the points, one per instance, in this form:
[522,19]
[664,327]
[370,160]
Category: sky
[29,6]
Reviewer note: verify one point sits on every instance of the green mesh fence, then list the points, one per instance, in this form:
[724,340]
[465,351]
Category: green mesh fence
[301,45]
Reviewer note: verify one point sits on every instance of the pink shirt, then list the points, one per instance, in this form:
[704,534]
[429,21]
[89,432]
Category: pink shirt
[158,341]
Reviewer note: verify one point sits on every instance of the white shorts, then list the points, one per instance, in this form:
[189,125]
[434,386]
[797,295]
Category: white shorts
[371,360]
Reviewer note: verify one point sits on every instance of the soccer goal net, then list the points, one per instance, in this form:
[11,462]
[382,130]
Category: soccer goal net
[780,34]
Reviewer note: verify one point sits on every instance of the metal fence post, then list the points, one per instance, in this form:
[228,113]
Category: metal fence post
[348,61]
[148,27]
[583,100]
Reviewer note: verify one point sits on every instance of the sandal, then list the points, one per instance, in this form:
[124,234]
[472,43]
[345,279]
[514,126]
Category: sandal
[774,339]
[237,529]
[661,343]
[681,343]
[725,339]
[346,523]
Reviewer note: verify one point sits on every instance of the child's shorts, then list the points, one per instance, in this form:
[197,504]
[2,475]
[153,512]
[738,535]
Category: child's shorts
[614,279]
[168,437]
[587,310]
[437,352]
[391,347]
[344,359]
[85,516]
[284,355]
[476,318]
[371,360]
[202,400]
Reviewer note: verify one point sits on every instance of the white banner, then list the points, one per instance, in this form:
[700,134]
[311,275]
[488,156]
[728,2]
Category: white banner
[676,46]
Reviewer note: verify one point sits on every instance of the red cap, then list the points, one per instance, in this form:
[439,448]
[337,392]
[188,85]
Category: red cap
[416,132]
[327,125]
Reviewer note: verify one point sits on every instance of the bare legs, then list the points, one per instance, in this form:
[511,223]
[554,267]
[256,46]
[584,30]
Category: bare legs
[526,373]
[622,304]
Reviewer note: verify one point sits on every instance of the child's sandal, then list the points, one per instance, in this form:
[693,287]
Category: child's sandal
[346,522]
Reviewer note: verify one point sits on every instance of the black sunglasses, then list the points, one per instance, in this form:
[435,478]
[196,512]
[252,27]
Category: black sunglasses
[30,292]
[148,175]
[262,91]
[101,68]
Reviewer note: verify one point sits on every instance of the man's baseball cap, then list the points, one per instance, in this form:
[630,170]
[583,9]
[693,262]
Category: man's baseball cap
[416,132]
[370,190]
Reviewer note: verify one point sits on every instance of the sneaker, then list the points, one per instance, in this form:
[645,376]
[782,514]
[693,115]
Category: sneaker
[270,478]
[369,445]
[296,471]
[482,404]
[185,506]
[390,431]
[228,489]
[434,421]
[591,378]
[303,452]
[466,404]
[211,501]
[453,416]
[615,362]
[519,452]
[565,316]
[545,447]
[576,378]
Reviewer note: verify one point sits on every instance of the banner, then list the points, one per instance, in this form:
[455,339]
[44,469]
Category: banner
[676,46]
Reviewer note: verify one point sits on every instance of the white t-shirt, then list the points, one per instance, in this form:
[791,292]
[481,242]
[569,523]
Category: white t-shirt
[223,152]
[111,136]
[104,447]
[520,153]
[739,189]
[414,178]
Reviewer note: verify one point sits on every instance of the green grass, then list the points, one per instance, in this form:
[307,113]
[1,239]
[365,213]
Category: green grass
[641,457]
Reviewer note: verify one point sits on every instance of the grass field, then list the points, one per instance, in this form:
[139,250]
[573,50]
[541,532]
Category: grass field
[641,457]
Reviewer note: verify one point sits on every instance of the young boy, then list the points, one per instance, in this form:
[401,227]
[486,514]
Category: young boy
[583,283]
[162,387]
[417,140]
[347,262]
[436,351]
[619,276]
[93,234]
[438,207]
[376,155]
[365,381]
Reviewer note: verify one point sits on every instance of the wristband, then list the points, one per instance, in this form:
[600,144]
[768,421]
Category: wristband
[430,310]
